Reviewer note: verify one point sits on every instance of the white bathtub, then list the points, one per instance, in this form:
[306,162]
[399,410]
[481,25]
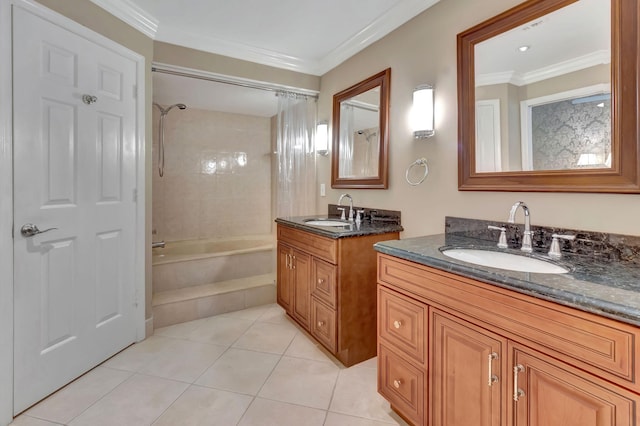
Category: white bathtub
[195,262]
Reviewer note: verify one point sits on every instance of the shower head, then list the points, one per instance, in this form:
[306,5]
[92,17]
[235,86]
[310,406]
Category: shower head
[164,111]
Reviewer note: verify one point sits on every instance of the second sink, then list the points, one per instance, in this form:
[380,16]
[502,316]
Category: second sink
[503,260]
[326,222]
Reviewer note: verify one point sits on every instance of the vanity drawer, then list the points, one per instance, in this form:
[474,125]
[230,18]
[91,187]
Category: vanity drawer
[323,324]
[606,347]
[323,282]
[402,384]
[322,247]
[402,323]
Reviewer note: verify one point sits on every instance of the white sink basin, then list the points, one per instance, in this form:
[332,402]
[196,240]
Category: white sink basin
[502,260]
[326,222]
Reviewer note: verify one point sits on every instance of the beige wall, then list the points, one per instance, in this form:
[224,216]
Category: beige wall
[424,51]
[176,55]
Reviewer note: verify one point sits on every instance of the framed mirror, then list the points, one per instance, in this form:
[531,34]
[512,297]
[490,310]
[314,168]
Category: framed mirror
[359,156]
[548,99]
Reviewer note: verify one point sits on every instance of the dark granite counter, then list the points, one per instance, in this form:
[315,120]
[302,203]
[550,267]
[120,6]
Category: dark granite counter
[350,229]
[610,289]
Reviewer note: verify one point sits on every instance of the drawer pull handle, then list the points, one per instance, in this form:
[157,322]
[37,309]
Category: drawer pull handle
[397,323]
[517,393]
[320,323]
[320,280]
[397,383]
[293,264]
[492,378]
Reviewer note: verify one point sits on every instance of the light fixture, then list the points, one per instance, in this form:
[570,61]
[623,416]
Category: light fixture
[422,112]
[322,138]
[524,48]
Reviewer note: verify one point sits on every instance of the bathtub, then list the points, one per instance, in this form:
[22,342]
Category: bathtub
[196,262]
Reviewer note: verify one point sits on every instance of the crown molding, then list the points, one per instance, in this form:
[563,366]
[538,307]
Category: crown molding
[402,12]
[398,15]
[131,14]
[521,79]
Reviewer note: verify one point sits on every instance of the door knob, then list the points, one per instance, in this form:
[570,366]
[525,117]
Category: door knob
[29,230]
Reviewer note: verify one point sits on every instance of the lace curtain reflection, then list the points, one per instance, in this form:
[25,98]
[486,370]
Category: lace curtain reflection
[296,124]
[345,166]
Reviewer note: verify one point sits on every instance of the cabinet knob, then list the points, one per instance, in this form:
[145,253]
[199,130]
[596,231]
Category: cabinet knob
[397,323]
[320,280]
[397,383]
[320,323]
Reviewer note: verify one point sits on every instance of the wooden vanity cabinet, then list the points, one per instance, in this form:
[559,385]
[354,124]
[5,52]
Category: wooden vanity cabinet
[328,286]
[497,357]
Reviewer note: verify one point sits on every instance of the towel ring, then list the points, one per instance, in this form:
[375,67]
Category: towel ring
[418,162]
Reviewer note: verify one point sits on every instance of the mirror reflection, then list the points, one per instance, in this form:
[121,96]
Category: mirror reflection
[543,93]
[360,135]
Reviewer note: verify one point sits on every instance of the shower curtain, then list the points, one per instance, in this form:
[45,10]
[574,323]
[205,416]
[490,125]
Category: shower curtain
[345,168]
[296,193]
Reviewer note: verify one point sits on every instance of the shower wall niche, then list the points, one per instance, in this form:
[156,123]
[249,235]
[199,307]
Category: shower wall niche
[217,176]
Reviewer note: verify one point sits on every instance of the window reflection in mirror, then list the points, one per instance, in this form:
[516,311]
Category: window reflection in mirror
[543,93]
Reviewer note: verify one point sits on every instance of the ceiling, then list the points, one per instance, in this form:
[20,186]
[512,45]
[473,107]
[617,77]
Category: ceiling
[306,36]
[302,35]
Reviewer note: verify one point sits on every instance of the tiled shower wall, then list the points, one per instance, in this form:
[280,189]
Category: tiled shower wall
[217,175]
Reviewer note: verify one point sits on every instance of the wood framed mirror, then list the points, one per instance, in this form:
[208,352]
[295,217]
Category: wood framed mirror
[360,129]
[498,141]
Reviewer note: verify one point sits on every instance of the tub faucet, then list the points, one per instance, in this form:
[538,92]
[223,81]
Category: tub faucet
[350,206]
[157,244]
[526,235]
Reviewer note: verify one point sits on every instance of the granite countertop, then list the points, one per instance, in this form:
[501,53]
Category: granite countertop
[610,289]
[351,229]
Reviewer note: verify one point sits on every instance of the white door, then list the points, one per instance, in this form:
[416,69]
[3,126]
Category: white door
[74,170]
[488,152]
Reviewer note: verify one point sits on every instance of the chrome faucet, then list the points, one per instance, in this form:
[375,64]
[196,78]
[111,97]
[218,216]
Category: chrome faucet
[526,235]
[350,205]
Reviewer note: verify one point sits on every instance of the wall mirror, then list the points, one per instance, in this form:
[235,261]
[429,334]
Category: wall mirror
[361,134]
[547,98]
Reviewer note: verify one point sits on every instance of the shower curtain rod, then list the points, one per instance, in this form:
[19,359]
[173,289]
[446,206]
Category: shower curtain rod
[225,79]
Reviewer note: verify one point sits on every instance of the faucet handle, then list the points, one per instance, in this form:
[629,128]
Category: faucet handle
[554,250]
[359,215]
[342,217]
[502,241]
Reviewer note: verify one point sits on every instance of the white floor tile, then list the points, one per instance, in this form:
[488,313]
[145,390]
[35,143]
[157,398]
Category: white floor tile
[303,382]
[251,314]
[140,354]
[264,412]
[138,401]
[205,406]
[356,395]
[179,331]
[73,399]
[25,420]
[185,361]
[220,330]
[267,337]
[334,419]
[239,370]
[303,347]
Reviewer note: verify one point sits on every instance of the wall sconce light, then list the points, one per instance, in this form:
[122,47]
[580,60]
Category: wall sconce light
[422,112]
[322,138]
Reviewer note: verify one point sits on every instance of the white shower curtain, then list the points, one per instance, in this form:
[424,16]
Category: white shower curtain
[345,168]
[296,125]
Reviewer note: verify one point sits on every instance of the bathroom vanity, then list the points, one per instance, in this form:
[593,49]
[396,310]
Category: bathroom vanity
[461,344]
[327,282]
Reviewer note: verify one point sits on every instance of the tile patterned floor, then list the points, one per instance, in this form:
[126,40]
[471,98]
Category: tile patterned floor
[250,367]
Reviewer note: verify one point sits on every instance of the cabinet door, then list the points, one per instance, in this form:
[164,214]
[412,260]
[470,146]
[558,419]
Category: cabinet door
[468,373]
[323,325]
[550,392]
[301,266]
[323,282]
[285,280]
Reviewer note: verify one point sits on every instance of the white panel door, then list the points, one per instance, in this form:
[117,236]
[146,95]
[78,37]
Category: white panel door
[488,152]
[74,170]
